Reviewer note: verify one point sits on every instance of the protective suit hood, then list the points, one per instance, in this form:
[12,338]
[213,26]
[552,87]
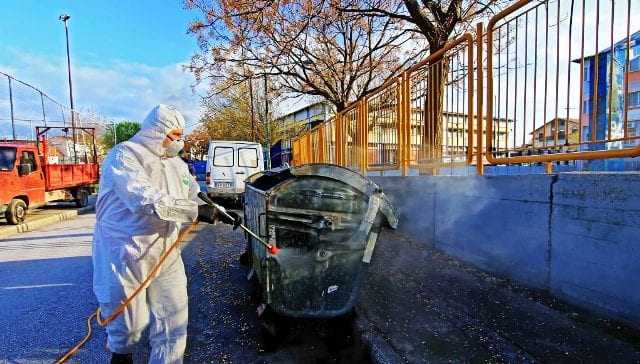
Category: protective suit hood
[156,126]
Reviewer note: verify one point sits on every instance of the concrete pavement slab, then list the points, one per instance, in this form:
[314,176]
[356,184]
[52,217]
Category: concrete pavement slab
[427,307]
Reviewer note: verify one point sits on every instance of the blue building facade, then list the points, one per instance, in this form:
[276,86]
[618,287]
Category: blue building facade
[606,100]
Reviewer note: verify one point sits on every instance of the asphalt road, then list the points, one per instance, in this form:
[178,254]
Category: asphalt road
[45,295]
[45,291]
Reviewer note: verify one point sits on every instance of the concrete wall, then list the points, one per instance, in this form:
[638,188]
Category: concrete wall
[577,235]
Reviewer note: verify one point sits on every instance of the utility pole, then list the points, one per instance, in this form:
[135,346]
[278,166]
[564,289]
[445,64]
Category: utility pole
[266,119]
[253,118]
[64,18]
[44,115]
[13,124]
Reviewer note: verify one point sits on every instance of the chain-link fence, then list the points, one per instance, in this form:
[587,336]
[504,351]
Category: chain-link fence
[23,107]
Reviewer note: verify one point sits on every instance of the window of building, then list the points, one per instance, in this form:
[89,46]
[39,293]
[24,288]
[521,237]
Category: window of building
[587,71]
[632,132]
[634,99]
[631,129]
[634,62]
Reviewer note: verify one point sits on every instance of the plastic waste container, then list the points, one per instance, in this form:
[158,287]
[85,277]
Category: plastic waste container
[325,221]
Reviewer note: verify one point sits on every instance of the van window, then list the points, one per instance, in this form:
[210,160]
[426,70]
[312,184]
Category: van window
[223,156]
[248,157]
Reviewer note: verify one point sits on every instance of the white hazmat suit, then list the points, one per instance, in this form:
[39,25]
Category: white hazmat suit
[144,197]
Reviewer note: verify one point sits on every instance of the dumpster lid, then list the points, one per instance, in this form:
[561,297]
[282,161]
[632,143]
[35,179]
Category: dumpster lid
[267,180]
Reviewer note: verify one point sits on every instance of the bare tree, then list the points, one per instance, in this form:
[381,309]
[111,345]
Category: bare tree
[305,46]
[438,21]
[228,116]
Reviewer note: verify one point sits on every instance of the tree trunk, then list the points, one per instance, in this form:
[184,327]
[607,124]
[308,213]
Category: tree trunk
[433,114]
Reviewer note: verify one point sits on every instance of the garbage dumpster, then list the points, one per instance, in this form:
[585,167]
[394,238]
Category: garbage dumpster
[325,221]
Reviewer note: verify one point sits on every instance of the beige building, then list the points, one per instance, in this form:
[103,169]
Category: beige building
[383,136]
[545,136]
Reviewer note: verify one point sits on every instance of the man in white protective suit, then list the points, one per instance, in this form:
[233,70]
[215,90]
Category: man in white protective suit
[146,193]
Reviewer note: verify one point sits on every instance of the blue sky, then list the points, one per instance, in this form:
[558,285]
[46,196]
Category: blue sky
[126,56]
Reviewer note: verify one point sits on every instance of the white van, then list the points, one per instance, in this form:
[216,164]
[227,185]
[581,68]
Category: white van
[229,163]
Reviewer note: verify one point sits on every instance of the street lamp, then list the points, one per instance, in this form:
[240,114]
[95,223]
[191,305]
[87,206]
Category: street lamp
[64,18]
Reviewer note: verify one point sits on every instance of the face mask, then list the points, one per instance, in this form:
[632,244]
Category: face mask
[174,148]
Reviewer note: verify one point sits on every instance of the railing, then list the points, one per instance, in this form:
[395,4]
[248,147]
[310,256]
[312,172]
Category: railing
[391,128]
[439,107]
[552,70]
[551,91]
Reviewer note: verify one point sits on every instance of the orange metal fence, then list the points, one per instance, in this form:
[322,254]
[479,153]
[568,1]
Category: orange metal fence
[548,93]
[392,128]
[551,70]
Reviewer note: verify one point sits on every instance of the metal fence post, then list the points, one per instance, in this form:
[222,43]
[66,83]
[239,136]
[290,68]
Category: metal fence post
[401,100]
[479,97]
[322,158]
[364,138]
[470,113]
[339,140]
[309,144]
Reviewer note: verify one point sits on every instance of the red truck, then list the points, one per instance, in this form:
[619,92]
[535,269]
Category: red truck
[34,173]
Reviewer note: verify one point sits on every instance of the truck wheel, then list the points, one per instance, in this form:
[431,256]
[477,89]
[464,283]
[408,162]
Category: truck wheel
[83,198]
[16,212]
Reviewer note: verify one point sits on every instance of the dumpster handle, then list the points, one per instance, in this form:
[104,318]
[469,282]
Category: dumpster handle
[271,248]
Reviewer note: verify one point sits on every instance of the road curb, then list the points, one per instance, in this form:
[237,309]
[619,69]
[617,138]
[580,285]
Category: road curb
[49,220]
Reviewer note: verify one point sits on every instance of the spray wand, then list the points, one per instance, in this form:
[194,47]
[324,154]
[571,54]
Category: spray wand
[272,249]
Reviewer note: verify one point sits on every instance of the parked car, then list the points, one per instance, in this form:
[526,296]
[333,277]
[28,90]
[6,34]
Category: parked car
[229,163]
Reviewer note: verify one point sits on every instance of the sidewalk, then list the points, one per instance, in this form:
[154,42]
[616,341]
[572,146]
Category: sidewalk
[45,216]
[420,305]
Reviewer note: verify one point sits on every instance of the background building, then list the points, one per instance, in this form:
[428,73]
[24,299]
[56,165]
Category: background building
[545,135]
[611,90]
[292,124]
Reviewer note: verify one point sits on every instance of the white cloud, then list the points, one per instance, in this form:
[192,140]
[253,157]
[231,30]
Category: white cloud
[114,89]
